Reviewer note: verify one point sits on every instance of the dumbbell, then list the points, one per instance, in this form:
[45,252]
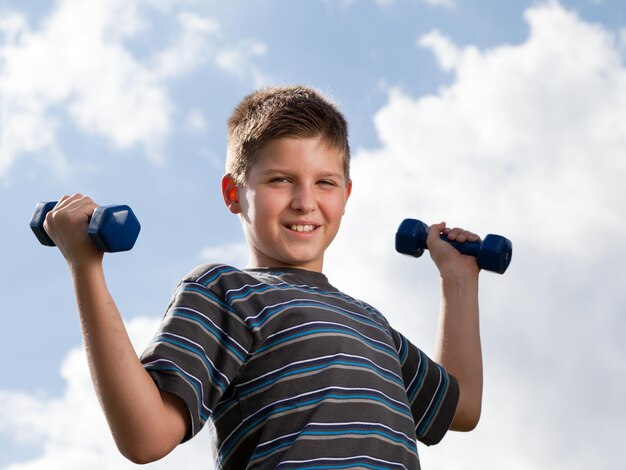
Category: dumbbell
[111,228]
[493,253]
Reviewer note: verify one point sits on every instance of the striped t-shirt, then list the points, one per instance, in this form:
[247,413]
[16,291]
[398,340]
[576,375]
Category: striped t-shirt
[295,374]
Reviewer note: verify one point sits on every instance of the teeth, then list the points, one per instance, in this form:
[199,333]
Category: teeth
[302,228]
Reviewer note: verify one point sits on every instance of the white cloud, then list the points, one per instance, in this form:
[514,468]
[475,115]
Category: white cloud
[191,48]
[71,430]
[233,254]
[78,67]
[527,140]
[196,121]
[446,53]
[539,123]
[238,60]
[448,4]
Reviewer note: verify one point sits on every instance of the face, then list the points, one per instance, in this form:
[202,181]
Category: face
[292,202]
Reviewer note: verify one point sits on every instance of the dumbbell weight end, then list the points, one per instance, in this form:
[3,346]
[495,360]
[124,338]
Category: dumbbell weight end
[36,222]
[111,228]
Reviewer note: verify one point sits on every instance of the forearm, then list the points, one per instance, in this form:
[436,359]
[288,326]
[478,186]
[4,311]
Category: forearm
[458,347]
[133,405]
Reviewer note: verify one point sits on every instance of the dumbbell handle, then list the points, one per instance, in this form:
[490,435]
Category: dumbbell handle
[493,253]
[111,228]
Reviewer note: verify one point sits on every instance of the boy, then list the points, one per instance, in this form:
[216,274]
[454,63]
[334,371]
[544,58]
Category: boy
[292,372]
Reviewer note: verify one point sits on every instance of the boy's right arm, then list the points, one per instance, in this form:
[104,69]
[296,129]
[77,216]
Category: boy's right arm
[145,422]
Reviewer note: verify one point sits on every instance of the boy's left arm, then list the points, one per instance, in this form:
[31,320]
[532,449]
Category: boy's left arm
[458,347]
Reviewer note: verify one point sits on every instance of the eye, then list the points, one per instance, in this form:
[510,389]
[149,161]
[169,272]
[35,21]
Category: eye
[279,179]
[327,182]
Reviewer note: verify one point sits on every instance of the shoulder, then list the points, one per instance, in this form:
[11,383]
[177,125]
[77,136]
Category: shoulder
[226,281]
[213,273]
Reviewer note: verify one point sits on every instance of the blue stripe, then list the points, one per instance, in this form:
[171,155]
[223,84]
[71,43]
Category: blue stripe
[302,288]
[314,304]
[404,350]
[404,442]
[204,415]
[435,408]
[208,294]
[352,465]
[325,365]
[418,382]
[219,271]
[220,335]
[383,348]
[265,415]
[216,380]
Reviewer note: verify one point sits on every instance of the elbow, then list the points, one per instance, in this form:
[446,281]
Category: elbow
[466,420]
[469,406]
[137,457]
[465,425]
[140,454]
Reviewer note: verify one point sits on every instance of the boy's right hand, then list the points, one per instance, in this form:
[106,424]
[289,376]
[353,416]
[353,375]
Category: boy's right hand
[67,224]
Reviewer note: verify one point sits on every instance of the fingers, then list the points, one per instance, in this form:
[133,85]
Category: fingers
[74,201]
[454,234]
[66,225]
[69,211]
[449,260]
[460,235]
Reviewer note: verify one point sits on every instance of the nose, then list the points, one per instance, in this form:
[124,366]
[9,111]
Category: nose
[303,199]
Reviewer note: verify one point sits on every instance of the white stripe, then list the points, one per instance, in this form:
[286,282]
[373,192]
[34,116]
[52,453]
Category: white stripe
[320,358]
[158,361]
[342,326]
[431,400]
[313,392]
[184,338]
[339,459]
[417,369]
[172,311]
[313,302]
[214,268]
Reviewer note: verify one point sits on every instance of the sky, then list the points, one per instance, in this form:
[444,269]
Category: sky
[500,117]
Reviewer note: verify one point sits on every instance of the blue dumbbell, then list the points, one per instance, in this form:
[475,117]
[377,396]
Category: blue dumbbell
[493,253]
[111,228]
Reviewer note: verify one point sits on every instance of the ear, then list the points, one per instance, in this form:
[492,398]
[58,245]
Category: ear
[348,192]
[348,189]
[230,193]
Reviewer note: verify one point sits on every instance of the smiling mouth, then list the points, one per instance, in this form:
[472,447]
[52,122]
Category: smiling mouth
[302,228]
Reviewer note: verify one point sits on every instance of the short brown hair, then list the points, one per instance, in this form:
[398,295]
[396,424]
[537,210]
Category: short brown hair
[282,111]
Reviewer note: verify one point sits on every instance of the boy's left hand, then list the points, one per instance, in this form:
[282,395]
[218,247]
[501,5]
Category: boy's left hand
[447,258]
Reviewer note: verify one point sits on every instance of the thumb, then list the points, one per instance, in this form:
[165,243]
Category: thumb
[434,231]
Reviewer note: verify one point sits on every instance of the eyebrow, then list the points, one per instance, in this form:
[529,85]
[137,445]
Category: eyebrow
[328,174]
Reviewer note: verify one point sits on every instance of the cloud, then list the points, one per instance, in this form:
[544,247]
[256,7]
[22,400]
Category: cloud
[237,60]
[234,254]
[195,120]
[71,431]
[539,124]
[80,68]
[191,48]
[449,4]
[526,140]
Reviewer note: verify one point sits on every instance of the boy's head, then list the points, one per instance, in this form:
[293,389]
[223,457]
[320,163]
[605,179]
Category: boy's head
[283,111]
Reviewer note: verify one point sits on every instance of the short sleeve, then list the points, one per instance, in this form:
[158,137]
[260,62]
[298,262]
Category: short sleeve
[198,350]
[432,392]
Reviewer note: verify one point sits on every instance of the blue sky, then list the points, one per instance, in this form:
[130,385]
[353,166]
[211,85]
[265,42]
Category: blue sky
[503,117]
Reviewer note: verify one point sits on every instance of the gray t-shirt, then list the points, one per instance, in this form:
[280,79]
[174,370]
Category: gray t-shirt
[295,374]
